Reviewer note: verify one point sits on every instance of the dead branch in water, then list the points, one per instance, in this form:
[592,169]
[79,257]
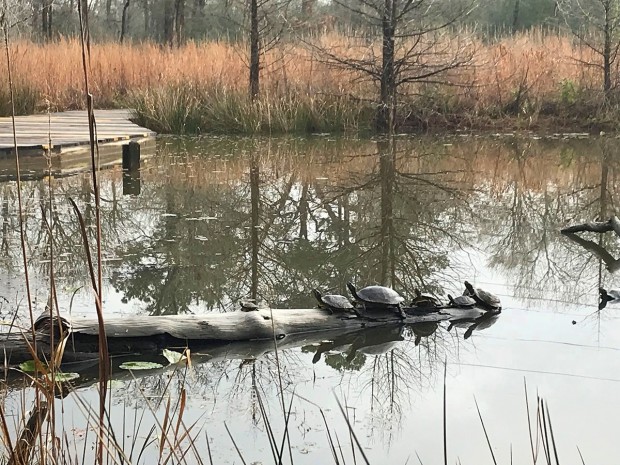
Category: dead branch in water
[613,224]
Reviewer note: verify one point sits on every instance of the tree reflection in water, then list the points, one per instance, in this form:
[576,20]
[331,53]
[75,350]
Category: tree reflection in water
[218,220]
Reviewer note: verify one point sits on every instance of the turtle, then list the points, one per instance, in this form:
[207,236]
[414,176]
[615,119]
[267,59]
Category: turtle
[332,302]
[462,301]
[611,295]
[378,296]
[483,298]
[248,305]
[424,300]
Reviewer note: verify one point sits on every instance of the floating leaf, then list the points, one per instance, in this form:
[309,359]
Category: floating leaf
[173,357]
[64,377]
[28,366]
[140,366]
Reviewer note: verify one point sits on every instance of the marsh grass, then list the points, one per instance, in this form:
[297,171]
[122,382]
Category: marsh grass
[190,109]
[528,78]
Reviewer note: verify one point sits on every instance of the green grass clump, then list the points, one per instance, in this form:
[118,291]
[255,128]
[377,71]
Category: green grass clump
[187,109]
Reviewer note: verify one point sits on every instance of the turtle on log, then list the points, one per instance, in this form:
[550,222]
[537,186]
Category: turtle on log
[332,302]
[378,297]
[462,301]
[483,298]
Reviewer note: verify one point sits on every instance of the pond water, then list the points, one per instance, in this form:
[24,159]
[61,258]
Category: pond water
[210,221]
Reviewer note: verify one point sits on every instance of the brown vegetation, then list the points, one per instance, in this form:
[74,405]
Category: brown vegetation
[522,77]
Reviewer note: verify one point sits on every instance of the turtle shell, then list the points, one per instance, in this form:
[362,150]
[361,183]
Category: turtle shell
[425,300]
[334,301]
[248,305]
[485,298]
[337,301]
[462,301]
[377,295]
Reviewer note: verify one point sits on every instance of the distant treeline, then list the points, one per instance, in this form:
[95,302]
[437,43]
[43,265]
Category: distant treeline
[176,21]
[282,66]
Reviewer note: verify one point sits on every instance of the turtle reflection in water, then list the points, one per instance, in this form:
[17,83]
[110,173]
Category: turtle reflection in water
[332,302]
[368,341]
[484,321]
[378,297]
[423,329]
[611,295]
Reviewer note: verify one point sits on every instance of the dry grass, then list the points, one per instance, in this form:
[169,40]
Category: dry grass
[524,76]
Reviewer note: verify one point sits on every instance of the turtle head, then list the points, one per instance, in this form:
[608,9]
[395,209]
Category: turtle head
[417,292]
[352,289]
[450,298]
[469,287]
[317,295]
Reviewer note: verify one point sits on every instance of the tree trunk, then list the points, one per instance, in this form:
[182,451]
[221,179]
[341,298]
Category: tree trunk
[254,51]
[108,12]
[124,20]
[147,17]
[515,16]
[46,21]
[304,212]
[307,8]
[387,105]
[255,199]
[168,38]
[607,58]
[387,173]
[179,21]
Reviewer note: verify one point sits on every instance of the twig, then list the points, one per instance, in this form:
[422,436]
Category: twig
[103,344]
[529,423]
[485,431]
[350,426]
[445,422]
[235,444]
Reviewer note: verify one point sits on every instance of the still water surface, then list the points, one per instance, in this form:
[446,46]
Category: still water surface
[214,220]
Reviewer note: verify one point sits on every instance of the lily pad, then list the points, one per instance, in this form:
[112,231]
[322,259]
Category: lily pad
[173,357]
[64,377]
[28,366]
[140,366]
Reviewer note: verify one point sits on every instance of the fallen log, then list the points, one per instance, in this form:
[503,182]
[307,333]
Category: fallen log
[259,328]
[141,339]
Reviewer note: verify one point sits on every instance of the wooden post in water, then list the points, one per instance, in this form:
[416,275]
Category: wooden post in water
[131,156]
[131,168]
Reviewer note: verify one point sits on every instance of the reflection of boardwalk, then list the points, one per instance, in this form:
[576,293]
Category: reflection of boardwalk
[68,133]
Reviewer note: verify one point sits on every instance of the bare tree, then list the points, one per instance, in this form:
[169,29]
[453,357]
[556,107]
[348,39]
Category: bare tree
[264,22]
[596,23]
[404,42]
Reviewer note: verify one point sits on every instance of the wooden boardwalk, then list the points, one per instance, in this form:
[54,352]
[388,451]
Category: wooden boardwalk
[70,141]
